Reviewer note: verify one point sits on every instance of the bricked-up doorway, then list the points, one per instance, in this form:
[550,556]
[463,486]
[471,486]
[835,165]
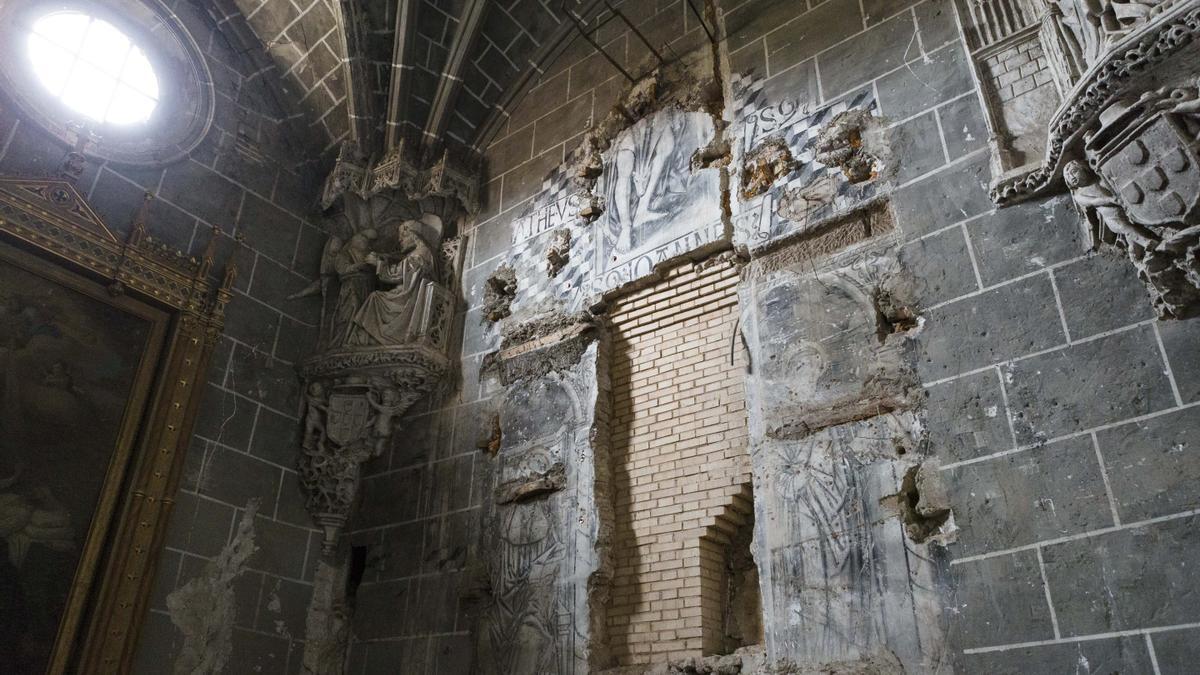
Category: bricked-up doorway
[680,456]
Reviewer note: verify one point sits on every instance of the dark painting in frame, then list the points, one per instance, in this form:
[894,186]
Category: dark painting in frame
[76,364]
[103,345]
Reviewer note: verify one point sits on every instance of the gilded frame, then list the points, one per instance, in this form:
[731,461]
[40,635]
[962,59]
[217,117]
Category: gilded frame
[48,229]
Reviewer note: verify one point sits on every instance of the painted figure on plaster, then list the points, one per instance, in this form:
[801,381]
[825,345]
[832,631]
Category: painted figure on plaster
[650,183]
[831,563]
[523,632]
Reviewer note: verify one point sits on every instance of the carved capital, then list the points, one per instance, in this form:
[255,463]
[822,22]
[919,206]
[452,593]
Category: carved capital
[451,177]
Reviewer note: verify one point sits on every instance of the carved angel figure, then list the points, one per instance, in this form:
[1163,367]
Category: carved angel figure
[316,405]
[1105,215]
[343,262]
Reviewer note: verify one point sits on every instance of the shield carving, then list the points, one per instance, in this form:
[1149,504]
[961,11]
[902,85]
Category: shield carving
[1156,173]
[347,420]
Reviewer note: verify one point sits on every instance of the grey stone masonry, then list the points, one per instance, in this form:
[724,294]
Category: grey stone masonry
[1055,413]
[249,173]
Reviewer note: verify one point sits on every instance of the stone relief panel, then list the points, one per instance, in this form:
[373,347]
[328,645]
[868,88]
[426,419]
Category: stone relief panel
[544,525]
[819,179]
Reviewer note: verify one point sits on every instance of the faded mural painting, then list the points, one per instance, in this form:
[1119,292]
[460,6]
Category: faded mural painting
[542,523]
[653,205]
[658,205]
[836,429]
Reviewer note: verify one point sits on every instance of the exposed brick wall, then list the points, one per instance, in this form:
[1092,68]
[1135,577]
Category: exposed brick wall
[1019,69]
[679,458]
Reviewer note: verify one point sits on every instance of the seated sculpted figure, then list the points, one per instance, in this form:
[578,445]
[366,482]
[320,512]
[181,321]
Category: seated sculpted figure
[393,316]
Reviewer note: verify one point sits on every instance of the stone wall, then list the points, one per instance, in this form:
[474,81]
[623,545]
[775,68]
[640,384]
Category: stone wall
[250,174]
[969,437]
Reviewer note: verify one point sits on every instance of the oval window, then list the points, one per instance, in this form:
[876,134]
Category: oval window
[125,72]
[93,68]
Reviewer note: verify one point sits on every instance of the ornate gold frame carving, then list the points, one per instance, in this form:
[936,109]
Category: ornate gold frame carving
[53,226]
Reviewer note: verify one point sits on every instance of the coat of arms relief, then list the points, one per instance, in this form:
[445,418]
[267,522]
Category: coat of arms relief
[1119,119]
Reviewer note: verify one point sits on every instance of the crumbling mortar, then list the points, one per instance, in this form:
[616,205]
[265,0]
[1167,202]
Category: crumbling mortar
[923,504]
[555,342]
[876,227]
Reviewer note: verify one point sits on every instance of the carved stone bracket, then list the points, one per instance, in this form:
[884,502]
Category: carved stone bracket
[1126,142]
[353,398]
[1125,68]
[387,285]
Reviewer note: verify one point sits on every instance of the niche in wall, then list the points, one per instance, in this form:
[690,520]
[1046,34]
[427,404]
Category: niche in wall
[731,613]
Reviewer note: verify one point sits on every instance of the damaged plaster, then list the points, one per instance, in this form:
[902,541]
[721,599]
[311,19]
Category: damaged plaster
[204,609]
[766,164]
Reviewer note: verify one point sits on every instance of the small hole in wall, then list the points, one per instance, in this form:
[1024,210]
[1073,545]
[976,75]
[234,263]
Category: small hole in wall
[354,575]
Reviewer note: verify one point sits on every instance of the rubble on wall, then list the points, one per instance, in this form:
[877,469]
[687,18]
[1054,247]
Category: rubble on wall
[923,504]
[766,164]
[851,143]
[499,293]
[754,661]
[558,254]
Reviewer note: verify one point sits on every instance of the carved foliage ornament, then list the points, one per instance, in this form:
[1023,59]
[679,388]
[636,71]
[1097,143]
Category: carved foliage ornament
[449,177]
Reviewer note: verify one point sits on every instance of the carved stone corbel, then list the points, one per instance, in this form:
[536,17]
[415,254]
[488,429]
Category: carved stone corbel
[386,285]
[1126,140]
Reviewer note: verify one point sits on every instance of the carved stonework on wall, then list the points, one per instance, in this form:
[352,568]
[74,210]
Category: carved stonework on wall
[1124,139]
[1029,54]
[1139,189]
[386,319]
[1011,45]
[396,172]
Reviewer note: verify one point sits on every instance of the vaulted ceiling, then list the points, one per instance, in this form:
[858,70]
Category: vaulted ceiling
[429,72]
